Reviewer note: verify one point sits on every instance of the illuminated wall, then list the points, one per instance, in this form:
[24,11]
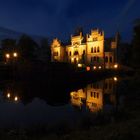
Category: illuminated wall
[95,95]
[77,97]
[89,51]
[76,52]
[95,48]
[94,99]
[57,51]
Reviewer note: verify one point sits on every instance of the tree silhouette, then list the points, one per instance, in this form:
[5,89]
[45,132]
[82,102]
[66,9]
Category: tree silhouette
[27,48]
[136,45]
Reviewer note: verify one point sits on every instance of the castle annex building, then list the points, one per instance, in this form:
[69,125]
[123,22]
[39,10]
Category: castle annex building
[91,50]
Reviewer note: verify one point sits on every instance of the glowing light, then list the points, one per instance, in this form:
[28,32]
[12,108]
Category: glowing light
[15,54]
[72,93]
[94,67]
[115,79]
[16,98]
[100,67]
[77,59]
[7,55]
[72,59]
[79,65]
[116,66]
[88,68]
[8,95]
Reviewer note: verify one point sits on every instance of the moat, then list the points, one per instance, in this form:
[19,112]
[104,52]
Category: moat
[25,104]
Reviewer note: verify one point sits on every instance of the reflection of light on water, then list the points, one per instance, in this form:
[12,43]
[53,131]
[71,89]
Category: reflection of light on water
[94,96]
[8,95]
[16,98]
[115,79]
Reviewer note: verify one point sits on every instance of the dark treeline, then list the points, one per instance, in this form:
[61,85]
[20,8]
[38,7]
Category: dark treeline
[26,48]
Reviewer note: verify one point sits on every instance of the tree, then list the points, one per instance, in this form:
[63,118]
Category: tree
[8,46]
[27,48]
[136,45]
[44,51]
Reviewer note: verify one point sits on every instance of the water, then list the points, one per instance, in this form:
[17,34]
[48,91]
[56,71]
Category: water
[24,104]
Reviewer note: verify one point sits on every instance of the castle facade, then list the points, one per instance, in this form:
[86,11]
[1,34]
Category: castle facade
[91,50]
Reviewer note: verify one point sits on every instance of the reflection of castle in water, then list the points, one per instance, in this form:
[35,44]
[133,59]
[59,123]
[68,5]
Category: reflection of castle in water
[96,95]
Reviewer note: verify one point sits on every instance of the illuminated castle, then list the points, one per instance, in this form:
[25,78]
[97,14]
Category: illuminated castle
[93,50]
[96,96]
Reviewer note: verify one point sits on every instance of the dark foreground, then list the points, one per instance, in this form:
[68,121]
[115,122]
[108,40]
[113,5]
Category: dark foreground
[125,126]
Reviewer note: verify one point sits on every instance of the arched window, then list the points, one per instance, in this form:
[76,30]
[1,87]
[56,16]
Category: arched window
[92,50]
[98,49]
[110,59]
[106,59]
[76,53]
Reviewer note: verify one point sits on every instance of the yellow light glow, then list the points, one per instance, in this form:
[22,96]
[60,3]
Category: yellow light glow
[72,59]
[72,93]
[8,95]
[88,68]
[100,67]
[7,55]
[79,65]
[115,79]
[94,67]
[15,54]
[77,59]
[16,98]
[116,66]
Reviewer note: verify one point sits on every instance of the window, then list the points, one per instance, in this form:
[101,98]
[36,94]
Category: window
[97,95]
[55,53]
[95,39]
[94,58]
[70,53]
[92,50]
[94,94]
[83,52]
[91,94]
[110,59]
[76,53]
[98,49]
[106,59]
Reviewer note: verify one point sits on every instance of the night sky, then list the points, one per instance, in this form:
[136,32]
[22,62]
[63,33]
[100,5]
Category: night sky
[59,18]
